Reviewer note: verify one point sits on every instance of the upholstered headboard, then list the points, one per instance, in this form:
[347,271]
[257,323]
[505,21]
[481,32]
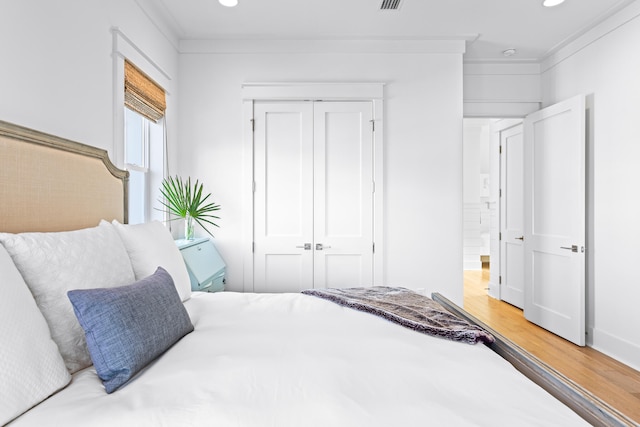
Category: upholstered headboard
[49,183]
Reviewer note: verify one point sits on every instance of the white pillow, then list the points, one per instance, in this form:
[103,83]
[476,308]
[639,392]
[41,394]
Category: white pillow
[54,263]
[150,245]
[32,367]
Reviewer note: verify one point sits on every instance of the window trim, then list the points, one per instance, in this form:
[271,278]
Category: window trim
[124,47]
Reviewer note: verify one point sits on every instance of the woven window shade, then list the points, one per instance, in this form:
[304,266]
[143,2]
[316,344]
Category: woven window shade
[143,95]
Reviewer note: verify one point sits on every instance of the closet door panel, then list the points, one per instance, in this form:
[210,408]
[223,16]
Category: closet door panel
[283,197]
[343,194]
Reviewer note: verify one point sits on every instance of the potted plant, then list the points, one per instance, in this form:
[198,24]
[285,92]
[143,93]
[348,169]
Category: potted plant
[186,201]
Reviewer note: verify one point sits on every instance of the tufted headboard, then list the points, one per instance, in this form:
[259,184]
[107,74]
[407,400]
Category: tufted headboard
[49,183]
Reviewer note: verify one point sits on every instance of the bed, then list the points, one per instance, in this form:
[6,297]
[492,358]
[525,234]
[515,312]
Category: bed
[238,359]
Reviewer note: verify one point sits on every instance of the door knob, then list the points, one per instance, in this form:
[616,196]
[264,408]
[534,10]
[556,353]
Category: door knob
[520,238]
[306,246]
[320,246]
[572,248]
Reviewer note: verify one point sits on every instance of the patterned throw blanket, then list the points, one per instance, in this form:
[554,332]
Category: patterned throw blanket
[407,308]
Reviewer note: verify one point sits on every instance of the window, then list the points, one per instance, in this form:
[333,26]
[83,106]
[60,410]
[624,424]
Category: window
[143,144]
[144,160]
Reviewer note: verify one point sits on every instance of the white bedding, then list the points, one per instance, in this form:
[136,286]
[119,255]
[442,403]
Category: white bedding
[296,360]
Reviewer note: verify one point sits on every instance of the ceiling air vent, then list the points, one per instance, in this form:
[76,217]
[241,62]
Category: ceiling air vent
[390,4]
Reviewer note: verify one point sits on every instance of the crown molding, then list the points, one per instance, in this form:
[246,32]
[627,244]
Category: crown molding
[163,20]
[397,46]
[618,16]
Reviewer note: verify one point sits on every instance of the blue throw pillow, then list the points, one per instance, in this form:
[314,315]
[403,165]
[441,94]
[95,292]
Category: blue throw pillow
[129,326]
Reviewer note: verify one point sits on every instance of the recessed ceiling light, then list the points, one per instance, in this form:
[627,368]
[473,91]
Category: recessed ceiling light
[509,52]
[229,3]
[551,3]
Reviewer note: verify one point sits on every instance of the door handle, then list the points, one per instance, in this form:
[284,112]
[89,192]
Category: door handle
[520,238]
[306,246]
[320,246]
[572,248]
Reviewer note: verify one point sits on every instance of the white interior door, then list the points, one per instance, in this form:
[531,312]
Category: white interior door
[512,216]
[343,193]
[554,191]
[313,199]
[283,196]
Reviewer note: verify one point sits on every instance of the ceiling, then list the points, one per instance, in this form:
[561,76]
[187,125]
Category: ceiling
[488,26]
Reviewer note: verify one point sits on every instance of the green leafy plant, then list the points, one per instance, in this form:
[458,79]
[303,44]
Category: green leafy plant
[185,200]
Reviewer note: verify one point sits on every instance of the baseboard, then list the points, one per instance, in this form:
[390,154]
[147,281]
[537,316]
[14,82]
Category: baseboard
[616,347]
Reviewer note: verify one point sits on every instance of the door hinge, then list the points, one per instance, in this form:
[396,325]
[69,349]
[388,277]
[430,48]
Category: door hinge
[374,247]
[253,125]
[500,192]
[373,125]
[500,149]
[373,188]
[253,186]
[499,280]
[500,235]
[253,247]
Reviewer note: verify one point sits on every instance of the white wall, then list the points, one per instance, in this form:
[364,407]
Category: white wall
[423,149]
[501,89]
[604,66]
[56,72]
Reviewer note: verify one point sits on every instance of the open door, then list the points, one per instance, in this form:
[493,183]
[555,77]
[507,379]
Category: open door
[511,216]
[554,218]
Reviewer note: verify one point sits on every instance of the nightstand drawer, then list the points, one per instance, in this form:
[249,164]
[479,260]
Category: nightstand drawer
[205,265]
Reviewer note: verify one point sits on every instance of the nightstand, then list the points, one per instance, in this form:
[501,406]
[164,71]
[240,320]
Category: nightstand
[205,265]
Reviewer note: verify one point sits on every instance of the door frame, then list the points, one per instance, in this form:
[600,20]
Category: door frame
[251,92]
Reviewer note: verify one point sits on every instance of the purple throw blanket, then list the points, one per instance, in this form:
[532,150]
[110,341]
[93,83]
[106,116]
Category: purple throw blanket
[407,308]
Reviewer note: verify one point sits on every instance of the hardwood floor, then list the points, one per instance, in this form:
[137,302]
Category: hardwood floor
[610,380]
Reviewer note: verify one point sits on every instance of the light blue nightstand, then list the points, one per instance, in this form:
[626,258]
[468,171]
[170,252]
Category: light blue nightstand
[205,265]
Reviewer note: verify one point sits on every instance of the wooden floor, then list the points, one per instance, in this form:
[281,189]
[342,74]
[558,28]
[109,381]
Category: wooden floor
[612,381]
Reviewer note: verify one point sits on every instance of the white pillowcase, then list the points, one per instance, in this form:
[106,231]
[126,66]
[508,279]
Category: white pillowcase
[150,245]
[54,263]
[32,367]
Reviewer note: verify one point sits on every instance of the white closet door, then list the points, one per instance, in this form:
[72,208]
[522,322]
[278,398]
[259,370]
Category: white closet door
[283,197]
[343,194]
[313,199]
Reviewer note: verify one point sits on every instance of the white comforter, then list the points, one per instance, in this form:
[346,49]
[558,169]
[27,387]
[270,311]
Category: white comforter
[296,360]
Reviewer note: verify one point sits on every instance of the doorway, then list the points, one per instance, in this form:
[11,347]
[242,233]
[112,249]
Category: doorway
[540,204]
[477,201]
[493,169]
[493,184]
